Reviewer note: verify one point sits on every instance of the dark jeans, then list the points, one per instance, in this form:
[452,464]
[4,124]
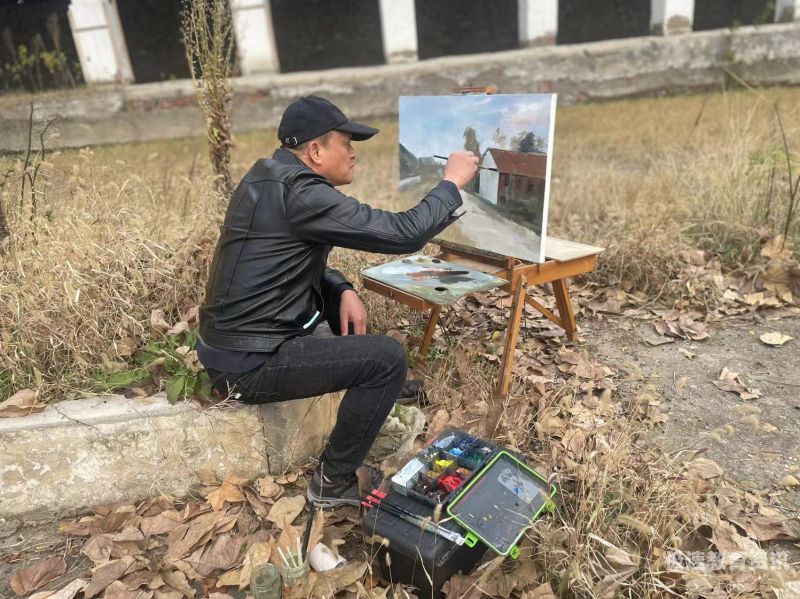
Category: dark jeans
[371,367]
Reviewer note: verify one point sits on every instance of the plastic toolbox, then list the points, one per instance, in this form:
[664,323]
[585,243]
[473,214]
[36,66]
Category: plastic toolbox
[415,554]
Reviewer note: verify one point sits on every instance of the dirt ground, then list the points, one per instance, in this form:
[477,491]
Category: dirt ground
[737,434]
[755,442]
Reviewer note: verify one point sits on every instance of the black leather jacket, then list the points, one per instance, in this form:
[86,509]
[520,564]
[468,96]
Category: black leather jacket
[269,269]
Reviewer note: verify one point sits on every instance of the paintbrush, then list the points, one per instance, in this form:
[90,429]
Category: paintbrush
[307,532]
[373,501]
[486,168]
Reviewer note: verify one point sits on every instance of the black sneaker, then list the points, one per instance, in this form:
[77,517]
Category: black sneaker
[331,492]
[413,392]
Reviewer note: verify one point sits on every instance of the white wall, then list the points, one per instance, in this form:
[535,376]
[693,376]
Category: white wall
[787,10]
[671,16]
[255,36]
[489,180]
[538,22]
[399,30]
[97,33]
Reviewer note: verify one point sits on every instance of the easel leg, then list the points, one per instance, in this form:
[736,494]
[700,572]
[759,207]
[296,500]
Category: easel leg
[512,334]
[565,311]
[429,331]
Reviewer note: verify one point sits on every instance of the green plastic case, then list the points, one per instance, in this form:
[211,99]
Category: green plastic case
[501,502]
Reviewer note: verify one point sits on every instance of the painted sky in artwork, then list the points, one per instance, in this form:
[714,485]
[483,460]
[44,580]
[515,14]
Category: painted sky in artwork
[435,124]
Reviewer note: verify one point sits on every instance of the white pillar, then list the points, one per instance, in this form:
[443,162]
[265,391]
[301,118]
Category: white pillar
[671,16]
[255,36]
[399,27]
[99,40]
[787,10]
[538,22]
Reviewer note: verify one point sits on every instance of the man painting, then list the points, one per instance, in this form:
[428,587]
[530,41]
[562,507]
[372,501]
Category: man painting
[269,286]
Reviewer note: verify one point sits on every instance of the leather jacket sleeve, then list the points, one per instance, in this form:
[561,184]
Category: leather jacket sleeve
[334,281]
[319,213]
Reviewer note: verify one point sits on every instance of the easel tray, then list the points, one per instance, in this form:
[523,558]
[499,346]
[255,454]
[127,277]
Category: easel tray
[432,279]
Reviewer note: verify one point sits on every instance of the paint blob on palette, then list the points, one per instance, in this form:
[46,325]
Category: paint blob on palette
[432,279]
[506,203]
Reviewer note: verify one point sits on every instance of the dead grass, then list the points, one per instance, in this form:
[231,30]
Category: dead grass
[123,230]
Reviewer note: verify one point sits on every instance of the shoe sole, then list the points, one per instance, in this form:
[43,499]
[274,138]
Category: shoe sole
[330,502]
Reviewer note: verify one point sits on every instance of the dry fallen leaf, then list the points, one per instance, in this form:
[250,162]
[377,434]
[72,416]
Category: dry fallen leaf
[621,560]
[730,381]
[790,481]
[187,537]
[85,527]
[229,579]
[22,403]
[775,339]
[223,553]
[703,468]
[177,581]
[68,592]
[286,507]
[101,548]
[328,584]
[268,488]
[461,586]
[438,422]
[228,491]
[160,524]
[158,321]
[118,590]
[32,577]
[105,574]
[258,554]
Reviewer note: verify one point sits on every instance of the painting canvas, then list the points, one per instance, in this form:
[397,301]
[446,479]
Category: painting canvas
[432,279]
[505,206]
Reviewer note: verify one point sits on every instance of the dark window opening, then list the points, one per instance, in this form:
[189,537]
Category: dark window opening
[720,14]
[321,34]
[152,30]
[37,51]
[446,27]
[581,21]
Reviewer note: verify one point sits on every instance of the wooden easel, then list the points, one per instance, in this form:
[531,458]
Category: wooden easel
[564,259]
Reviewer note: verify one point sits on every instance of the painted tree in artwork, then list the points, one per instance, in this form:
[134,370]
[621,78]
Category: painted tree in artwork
[472,144]
[527,141]
[499,138]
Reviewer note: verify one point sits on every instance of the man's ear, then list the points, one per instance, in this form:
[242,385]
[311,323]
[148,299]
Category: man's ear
[313,152]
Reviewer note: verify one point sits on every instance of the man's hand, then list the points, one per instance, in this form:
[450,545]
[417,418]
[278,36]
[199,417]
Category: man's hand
[461,167]
[352,310]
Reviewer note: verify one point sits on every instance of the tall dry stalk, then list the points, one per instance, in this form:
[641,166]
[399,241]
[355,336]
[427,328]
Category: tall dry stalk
[794,186]
[209,51]
[5,231]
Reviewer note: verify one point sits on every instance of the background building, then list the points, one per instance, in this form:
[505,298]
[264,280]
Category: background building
[98,41]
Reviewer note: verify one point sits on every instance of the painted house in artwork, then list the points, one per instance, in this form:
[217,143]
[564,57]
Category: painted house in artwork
[520,176]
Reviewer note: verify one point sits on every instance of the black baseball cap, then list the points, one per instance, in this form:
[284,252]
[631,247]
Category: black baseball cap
[311,116]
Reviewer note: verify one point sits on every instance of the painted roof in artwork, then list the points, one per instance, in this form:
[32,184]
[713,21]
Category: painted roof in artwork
[519,163]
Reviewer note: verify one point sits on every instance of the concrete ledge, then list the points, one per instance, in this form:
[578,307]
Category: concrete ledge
[765,54]
[87,452]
